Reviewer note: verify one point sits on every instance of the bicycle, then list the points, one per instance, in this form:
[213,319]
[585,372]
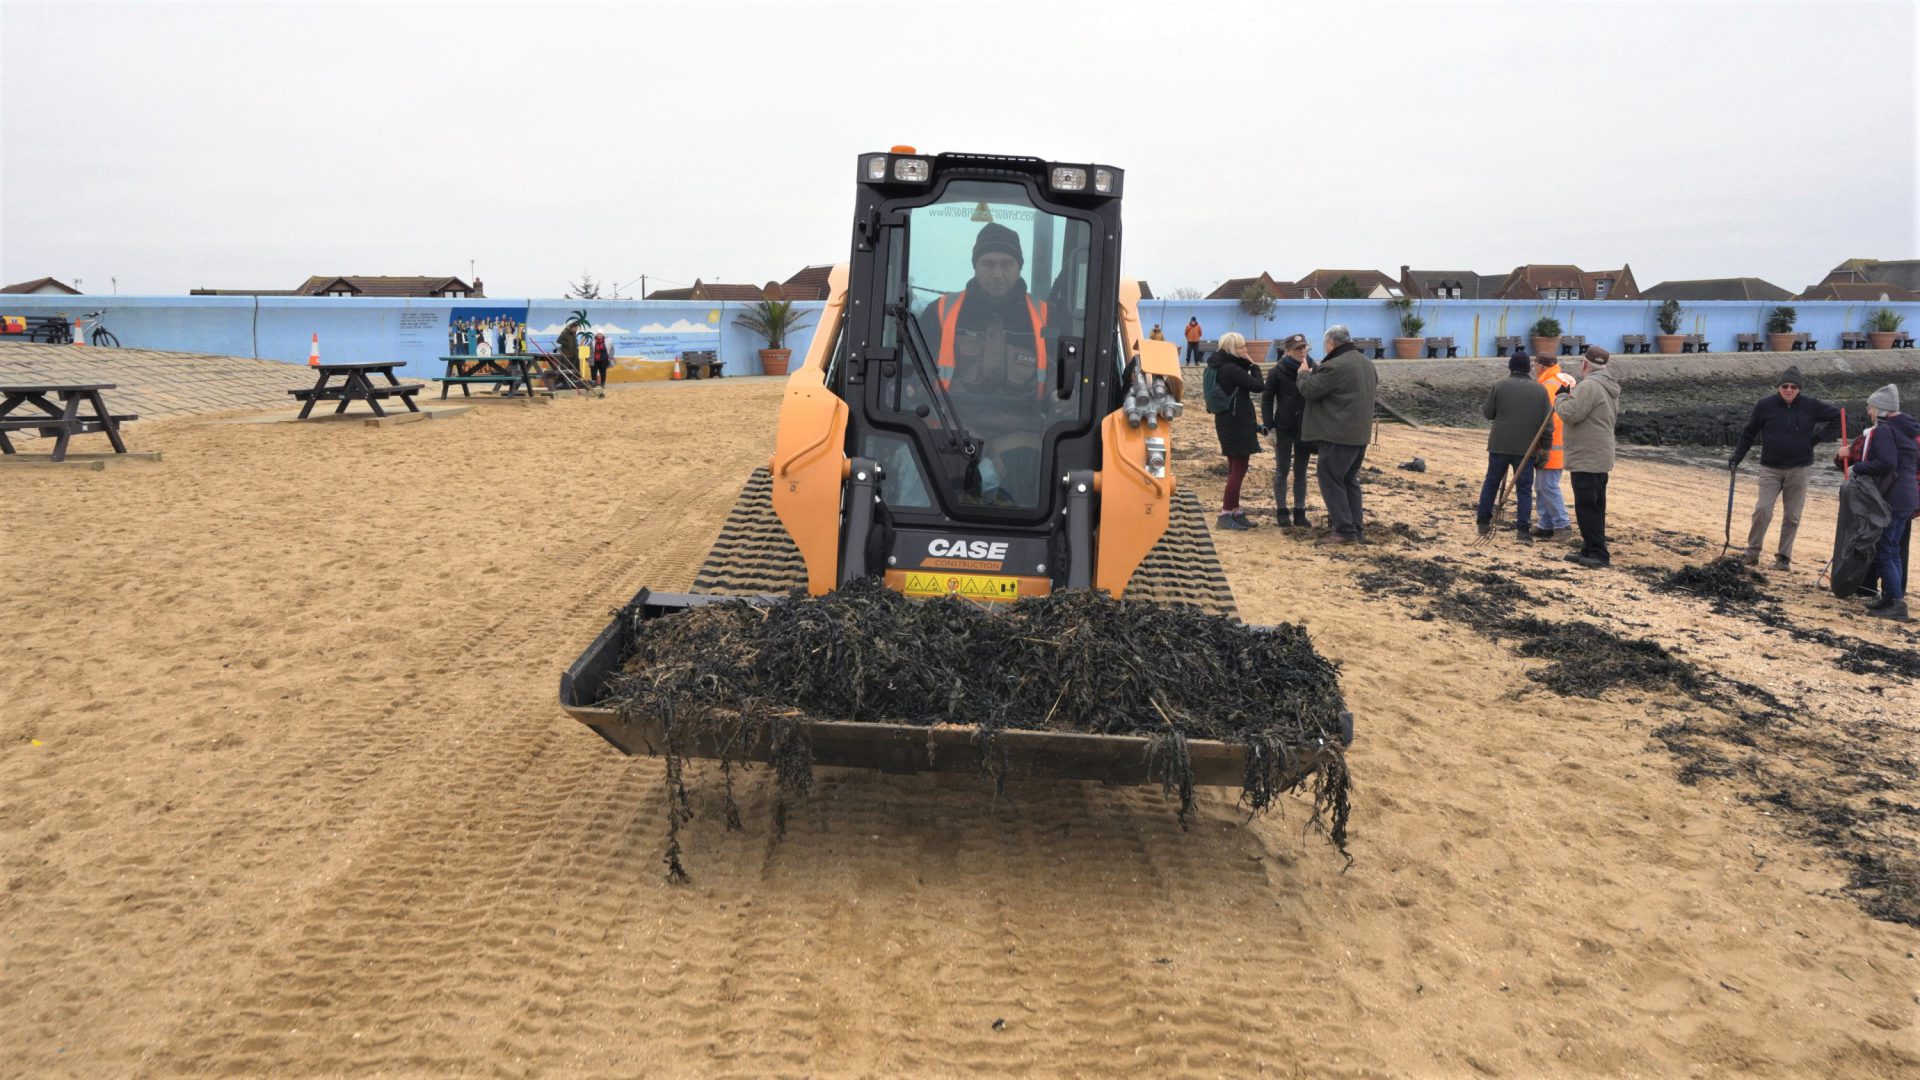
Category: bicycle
[94,326]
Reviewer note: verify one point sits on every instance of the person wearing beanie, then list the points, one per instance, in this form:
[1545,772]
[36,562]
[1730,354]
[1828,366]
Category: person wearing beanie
[1788,424]
[1194,334]
[1550,505]
[1891,460]
[1588,413]
[1281,411]
[1519,408]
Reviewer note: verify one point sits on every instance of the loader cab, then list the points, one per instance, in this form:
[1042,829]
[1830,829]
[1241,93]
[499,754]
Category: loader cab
[981,345]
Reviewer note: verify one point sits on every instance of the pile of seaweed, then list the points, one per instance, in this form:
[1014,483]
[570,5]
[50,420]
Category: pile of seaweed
[738,674]
[1725,580]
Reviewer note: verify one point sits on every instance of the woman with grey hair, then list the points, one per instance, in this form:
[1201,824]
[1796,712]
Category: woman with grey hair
[1232,380]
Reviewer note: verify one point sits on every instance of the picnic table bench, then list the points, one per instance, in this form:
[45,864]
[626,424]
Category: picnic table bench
[1902,339]
[1441,346]
[1573,344]
[1748,343]
[1694,343]
[1853,339]
[1371,344]
[1634,343]
[509,370]
[1505,346]
[63,421]
[357,385]
[1804,343]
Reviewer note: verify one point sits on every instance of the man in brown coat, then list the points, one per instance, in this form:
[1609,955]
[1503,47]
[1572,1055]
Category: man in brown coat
[1588,414]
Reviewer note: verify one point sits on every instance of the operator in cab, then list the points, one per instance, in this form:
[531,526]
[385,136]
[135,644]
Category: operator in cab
[990,353]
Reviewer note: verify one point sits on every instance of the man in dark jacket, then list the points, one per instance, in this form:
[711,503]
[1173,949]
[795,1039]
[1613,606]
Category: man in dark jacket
[1238,378]
[1338,416]
[1518,407]
[1892,460]
[1281,407]
[1788,424]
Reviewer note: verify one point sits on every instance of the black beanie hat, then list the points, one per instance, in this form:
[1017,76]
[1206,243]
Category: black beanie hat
[1791,375]
[996,237]
[1517,363]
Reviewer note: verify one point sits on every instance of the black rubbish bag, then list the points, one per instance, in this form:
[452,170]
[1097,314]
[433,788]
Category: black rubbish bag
[1864,514]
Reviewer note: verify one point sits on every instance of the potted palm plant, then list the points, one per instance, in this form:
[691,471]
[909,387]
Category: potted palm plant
[1780,329]
[1883,326]
[1667,317]
[1546,336]
[1409,345]
[773,320]
[1256,301]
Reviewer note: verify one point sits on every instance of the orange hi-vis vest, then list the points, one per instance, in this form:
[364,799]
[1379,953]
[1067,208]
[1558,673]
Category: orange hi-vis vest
[949,315]
[1553,379]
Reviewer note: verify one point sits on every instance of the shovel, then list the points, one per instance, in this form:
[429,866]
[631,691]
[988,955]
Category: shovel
[1733,473]
[1506,481]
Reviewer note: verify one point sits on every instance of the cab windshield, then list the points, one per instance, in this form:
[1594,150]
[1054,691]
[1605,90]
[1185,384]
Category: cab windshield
[996,287]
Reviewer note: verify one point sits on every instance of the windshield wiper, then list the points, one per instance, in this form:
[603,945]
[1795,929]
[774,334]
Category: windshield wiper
[915,346]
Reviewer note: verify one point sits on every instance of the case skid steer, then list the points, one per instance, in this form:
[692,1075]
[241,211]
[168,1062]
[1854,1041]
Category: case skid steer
[980,414]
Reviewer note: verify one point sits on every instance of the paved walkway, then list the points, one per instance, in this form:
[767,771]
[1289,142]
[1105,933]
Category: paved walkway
[156,384]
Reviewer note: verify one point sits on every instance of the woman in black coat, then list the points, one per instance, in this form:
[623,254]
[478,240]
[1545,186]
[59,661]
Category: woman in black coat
[1237,379]
[1281,408]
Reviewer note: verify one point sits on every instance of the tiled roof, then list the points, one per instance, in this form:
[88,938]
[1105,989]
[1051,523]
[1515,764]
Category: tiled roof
[1904,273]
[1859,291]
[1525,282]
[362,285]
[700,290]
[1367,280]
[1234,288]
[1426,283]
[40,283]
[1740,288]
[810,283]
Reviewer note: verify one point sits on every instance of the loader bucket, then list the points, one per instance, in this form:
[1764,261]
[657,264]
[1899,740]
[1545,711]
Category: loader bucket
[898,748]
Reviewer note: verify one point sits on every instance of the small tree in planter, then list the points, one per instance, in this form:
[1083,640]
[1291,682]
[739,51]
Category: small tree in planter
[1780,329]
[1409,345]
[773,320]
[1883,327]
[1667,317]
[1257,302]
[1546,336]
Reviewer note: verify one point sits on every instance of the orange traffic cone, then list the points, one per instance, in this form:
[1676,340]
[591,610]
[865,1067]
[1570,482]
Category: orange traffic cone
[679,369]
[313,355]
[77,338]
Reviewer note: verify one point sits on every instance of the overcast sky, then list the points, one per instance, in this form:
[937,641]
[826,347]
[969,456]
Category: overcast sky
[174,146]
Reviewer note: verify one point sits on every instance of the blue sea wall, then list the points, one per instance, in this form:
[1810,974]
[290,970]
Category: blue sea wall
[414,331]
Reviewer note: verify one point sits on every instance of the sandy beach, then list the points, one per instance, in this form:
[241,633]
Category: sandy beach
[284,790]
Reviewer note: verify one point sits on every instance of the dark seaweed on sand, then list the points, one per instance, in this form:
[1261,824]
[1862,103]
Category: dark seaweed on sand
[1076,661]
[1724,580]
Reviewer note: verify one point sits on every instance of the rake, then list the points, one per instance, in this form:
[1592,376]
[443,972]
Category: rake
[1506,481]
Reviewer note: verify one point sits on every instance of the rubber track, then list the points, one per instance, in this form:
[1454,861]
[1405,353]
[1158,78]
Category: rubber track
[754,555]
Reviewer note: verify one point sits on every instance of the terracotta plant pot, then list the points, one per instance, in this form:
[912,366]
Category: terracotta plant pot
[1409,348]
[1878,340]
[1546,346]
[1257,350]
[1668,343]
[774,361]
[1780,342]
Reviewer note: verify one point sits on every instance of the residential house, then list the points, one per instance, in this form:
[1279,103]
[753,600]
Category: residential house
[809,283]
[1549,281]
[1859,292]
[363,285]
[701,290]
[1738,288]
[45,286]
[1235,288]
[1372,284]
[1446,284]
[1868,280]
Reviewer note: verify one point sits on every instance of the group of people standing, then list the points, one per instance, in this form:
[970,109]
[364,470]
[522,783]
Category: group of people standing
[1546,423]
[1310,408]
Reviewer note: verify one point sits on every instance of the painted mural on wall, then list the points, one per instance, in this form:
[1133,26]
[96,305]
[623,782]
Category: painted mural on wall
[639,337]
[492,331]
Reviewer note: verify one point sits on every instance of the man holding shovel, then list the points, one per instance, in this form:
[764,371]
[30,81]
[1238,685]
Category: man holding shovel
[1788,424]
[1519,408]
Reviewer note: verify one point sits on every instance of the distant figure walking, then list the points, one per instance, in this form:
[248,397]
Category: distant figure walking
[602,359]
[1281,410]
[1518,407]
[1231,382]
[1157,335]
[1788,424]
[1193,341]
[1339,394]
[1589,412]
[1891,458]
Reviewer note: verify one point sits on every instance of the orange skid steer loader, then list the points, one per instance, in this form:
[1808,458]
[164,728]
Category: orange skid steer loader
[979,414]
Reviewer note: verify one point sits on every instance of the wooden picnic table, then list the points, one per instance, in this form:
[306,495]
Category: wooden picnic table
[357,385]
[514,371]
[64,420]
